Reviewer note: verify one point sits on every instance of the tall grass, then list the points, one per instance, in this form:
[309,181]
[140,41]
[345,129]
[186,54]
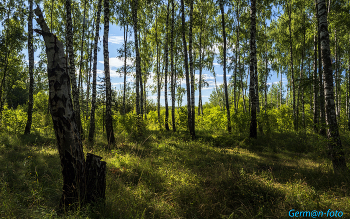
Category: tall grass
[166,175]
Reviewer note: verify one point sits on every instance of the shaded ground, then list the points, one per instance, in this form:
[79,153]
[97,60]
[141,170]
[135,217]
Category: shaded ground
[166,175]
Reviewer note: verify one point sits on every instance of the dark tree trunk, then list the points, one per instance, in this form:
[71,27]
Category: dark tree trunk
[125,56]
[68,140]
[336,75]
[252,91]
[81,56]
[237,49]
[31,68]
[322,118]
[75,91]
[315,86]
[193,114]
[348,111]
[295,119]
[138,59]
[109,119]
[200,111]
[335,147]
[88,80]
[172,66]
[225,81]
[166,70]
[158,76]
[141,82]
[188,89]
[94,73]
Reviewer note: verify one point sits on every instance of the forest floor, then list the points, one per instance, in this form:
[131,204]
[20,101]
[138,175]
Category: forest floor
[167,175]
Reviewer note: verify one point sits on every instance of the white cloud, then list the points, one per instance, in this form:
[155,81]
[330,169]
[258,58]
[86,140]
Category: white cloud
[118,62]
[116,39]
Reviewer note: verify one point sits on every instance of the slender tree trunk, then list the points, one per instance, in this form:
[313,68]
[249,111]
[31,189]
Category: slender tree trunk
[348,112]
[321,76]
[3,80]
[266,75]
[252,91]
[281,90]
[237,49]
[166,70]
[73,79]
[315,85]
[200,111]
[243,88]
[193,114]
[82,51]
[335,147]
[125,57]
[31,68]
[158,77]
[225,81]
[89,76]
[109,118]
[94,73]
[301,90]
[138,59]
[241,78]
[295,119]
[188,89]
[336,74]
[172,67]
[141,81]
[145,97]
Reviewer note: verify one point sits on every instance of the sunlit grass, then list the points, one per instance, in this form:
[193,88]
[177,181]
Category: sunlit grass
[166,175]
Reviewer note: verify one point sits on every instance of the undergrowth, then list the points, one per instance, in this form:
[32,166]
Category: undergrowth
[166,175]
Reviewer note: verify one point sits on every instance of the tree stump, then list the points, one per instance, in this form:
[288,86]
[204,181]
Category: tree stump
[95,179]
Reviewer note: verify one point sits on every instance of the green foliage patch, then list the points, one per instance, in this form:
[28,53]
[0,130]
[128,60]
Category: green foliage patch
[163,174]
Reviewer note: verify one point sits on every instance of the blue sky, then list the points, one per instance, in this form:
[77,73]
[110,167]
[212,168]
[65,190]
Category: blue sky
[116,41]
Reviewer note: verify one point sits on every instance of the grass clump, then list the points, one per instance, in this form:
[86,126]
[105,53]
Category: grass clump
[166,175]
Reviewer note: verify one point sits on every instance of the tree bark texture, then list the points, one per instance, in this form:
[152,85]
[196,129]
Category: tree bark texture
[31,68]
[82,53]
[252,94]
[158,76]
[138,59]
[166,70]
[334,144]
[88,78]
[348,111]
[80,184]
[190,46]
[186,68]
[75,91]
[172,66]
[225,80]
[95,178]
[315,86]
[125,55]
[235,102]
[322,118]
[109,118]
[68,140]
[94,74]
[295,121]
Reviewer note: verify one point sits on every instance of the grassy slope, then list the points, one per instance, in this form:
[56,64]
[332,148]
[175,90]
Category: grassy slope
[166,175]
